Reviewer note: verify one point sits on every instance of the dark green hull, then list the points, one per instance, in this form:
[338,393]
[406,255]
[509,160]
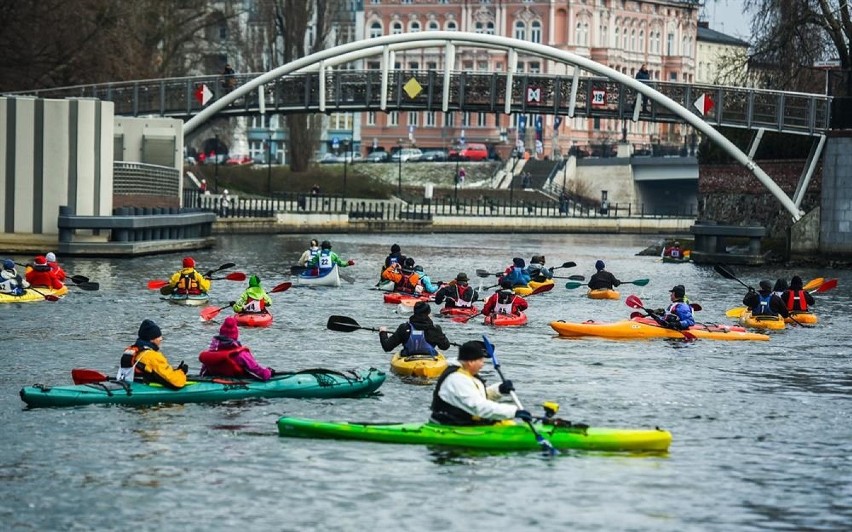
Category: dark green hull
[319,383]
[511,437]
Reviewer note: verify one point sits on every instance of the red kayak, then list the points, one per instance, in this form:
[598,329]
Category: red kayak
[396,298]
[506,320]
[254,319]
[459,311]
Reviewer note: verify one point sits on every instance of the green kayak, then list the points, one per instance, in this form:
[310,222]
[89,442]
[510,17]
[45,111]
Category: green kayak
[322,383]
[501,437]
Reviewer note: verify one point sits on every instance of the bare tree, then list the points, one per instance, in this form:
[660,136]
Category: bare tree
[789,36]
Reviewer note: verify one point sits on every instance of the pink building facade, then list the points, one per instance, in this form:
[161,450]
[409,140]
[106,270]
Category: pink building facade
[621,34]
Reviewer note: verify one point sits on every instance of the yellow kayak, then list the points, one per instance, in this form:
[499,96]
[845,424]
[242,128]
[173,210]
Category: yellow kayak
[803,317]
[31,296]
[646,328]
[603,293]
[774,323]
[422,366]
[531,287]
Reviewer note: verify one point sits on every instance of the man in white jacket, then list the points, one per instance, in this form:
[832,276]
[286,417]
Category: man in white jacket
[462,398]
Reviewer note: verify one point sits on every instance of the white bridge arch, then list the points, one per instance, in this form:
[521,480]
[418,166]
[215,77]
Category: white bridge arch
[387,46]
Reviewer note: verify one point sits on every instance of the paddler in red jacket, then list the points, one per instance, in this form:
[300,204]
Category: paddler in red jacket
[42,275]
[227,357]
[54,265]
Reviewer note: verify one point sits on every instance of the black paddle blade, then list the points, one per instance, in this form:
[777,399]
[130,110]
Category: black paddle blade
[484,273]
[342,324]
[724,272]
[77,279]
[90,286]
[569,264]
[577,277]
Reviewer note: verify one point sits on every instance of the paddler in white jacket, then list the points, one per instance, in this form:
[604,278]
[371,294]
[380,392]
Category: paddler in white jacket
[462,398]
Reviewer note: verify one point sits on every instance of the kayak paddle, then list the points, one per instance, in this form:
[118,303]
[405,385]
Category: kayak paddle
[638,282]
[813,284]
[87,376]
[87,286]
[220,268]
[634,302]
[571,277]
[233,276]
[728,274]
[568,264]
[546,446]
[48,297]
[831,284]
[347,324]
[735,312]
[208,313]
[156,284]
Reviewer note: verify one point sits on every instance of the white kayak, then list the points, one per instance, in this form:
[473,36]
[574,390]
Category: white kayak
[332,278]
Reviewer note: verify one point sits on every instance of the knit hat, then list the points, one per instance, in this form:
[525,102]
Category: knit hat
[254,280]
[765,285]
[149,331]
[326,244]
[50,257]
[780,285]
[796,283]
[462,277]
[188,262]
[519,262]
[395,248]
[599,265]
[9,264]
[408,262]
[230,329]
[536,259]
[507,284]
[679,291]
[473,350]
[422,307]
[40,260]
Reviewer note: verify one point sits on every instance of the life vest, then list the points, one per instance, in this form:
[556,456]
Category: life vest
[222,363]
[796,300]
[417,344]
[674,253]
[12,283]
[254,306]
[447,414]
[325,263]
[460,301]
[127,367]
[763,307]
[505,300]
[187,284]
[409,282]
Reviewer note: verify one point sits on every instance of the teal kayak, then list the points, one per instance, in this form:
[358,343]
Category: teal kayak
[500,437]
[321,383]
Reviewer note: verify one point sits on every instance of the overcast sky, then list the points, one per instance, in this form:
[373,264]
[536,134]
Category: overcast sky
[727,17]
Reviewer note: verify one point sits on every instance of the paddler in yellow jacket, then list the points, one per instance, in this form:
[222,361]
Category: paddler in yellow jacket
[187,280]
[144,360]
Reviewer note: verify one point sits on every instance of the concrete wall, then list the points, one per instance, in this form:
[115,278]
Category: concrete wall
[613,175]
[52,153]
[836,211]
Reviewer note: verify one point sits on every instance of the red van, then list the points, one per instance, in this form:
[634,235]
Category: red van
[470,152]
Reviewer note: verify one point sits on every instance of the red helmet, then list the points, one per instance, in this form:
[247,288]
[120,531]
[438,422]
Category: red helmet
[188,262]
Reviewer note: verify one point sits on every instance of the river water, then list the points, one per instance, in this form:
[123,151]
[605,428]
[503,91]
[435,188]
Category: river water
[762,436]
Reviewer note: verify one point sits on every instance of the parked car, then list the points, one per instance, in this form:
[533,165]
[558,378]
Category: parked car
[329,158]
[377,157]
[236,160]
[436,154]
[471,152]
[407,154]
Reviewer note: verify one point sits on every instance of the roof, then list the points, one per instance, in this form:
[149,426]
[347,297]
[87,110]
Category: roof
[708,35]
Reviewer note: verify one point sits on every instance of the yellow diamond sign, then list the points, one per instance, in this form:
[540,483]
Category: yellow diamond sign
[412,88]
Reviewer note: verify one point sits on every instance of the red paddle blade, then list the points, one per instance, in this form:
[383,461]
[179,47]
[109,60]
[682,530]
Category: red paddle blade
[542,289]
[633,301]
[634,315]
[156,284]
[208,313]
[236,276]
[831,284]
[87,376]
[281,287]
[51,297]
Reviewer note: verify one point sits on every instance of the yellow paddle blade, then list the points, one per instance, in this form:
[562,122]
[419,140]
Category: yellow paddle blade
[735,312]
[813,284]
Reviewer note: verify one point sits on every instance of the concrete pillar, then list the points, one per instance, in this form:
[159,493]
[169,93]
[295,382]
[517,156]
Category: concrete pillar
[835,235]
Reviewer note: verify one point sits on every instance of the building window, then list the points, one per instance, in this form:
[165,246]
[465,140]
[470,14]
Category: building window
[413,65]
[452,26]
[374,65]
[633,40]
[535,32]
[489,28]
[670,44]
[412,118]
[430,119]
[478,28]
[431,65]
[449,120]
[371,118]
[465,119]
[672,76]
[414,27]
[520,30]
[641,41]
[481,119]
[375,30]
[393,118]
[535,67]
[617,35]
[624,39]
[396,28]
[433,26]
[482,66]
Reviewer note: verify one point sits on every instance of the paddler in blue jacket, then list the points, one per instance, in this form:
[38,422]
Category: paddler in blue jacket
[679,314]
[516,273]
[462,398]
[418,336]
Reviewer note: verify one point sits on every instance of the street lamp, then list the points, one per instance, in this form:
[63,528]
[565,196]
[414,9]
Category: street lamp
[399,179]
[346,144]
[216,155]
[269,163]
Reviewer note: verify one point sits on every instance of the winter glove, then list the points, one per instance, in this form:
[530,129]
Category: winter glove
[183,367]
[659,311]
[351,262]
[523,414]
[506,387]
[231,303]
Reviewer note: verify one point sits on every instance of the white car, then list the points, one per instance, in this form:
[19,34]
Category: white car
[407,154]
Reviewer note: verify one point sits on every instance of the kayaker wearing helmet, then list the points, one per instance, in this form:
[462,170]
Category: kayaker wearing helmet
[679,314]
[227,357]
[462,398]
[537,271]
[254,299]
[144,360]
[504,301]
[187,280]
[54,265]
[457,293]
[516,273]
[602,279]
[418,336]
[326,259]
[764,302]
[404,278]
